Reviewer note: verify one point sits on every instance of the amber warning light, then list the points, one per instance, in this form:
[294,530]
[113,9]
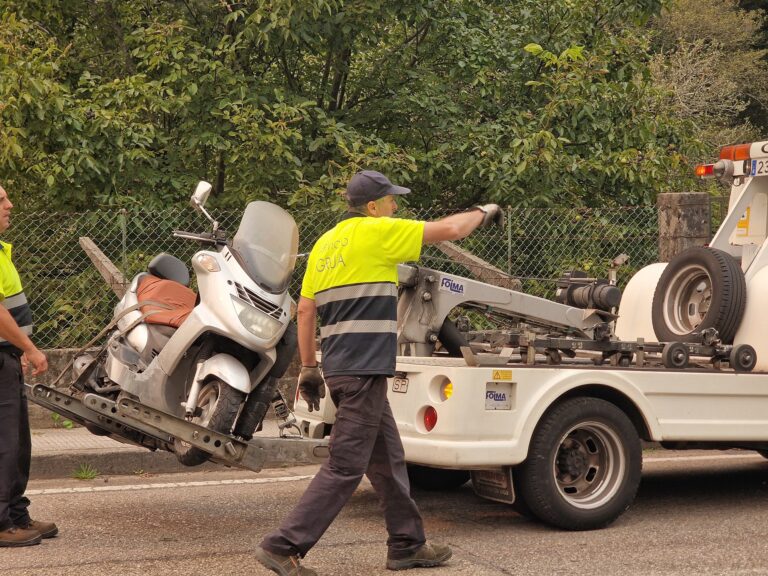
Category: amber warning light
[737,152]
[705,170]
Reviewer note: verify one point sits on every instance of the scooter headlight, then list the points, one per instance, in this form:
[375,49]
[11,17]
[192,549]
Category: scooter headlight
[255,321]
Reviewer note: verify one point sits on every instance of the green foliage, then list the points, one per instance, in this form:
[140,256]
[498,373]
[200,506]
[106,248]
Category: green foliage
[693,62]
[85,471]
[128,103]
[59,422]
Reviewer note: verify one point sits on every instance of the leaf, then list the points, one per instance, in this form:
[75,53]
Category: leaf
[534,49]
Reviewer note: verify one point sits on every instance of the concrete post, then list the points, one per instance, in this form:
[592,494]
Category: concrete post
[684,221]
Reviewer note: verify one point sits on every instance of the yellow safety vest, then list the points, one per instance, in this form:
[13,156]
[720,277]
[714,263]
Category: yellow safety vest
[12,296]
[352,276]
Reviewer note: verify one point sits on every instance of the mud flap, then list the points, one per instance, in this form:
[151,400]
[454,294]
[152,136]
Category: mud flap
[494,484]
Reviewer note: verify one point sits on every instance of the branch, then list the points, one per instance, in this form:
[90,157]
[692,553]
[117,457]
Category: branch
[191,12]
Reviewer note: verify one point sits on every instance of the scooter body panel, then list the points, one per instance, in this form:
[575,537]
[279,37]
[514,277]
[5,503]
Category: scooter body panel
[216,312]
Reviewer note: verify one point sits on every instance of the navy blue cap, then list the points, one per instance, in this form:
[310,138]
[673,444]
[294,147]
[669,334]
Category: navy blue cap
[369,185]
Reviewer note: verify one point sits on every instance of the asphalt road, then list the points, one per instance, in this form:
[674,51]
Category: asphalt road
[696,514]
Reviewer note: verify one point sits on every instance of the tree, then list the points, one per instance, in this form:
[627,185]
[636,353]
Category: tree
[694,63]
[530,103]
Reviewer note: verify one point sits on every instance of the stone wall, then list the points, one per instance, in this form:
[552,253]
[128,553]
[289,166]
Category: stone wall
[684,222]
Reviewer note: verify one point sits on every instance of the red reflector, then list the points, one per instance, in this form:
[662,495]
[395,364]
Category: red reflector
[705,170]
[430,418]
[737,152]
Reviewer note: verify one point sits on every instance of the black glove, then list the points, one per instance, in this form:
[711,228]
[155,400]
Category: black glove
[493,214]
[311,386]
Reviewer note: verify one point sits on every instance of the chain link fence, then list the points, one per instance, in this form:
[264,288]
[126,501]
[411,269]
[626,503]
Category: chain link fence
[71,303]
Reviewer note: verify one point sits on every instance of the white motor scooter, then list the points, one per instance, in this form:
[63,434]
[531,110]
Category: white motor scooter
[214,358]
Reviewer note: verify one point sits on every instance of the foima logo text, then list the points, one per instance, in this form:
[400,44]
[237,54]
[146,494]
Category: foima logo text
[450,285]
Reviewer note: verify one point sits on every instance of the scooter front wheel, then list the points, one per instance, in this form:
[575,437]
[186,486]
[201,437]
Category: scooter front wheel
[217,405]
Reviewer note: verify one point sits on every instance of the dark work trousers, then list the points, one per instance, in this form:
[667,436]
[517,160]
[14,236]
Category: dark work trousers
[364,440]
[15,443]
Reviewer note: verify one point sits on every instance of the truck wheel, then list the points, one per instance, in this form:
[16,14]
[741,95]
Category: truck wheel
[436,479]
[583,466]
[700,288]
[520,505]
[218,405]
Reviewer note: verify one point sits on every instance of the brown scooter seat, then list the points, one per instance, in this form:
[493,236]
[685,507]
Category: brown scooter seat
[180,299]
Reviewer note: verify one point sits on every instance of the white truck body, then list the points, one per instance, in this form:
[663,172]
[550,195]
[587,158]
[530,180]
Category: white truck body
[495,417]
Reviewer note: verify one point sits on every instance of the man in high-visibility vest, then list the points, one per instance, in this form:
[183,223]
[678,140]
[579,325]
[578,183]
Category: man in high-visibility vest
[16,350]
[351,282]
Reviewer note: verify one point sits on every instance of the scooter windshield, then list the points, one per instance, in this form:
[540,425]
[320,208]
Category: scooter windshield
[266,244]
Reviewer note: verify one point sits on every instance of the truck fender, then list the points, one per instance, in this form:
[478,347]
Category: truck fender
[613,380]
[635,311]
[228,369]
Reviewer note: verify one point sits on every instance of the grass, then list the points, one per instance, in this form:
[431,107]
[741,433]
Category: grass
[85,472]
[60,422]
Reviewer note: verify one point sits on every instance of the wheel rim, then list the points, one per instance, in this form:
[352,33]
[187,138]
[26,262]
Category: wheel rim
[589,465]
[206,402]
[688,299]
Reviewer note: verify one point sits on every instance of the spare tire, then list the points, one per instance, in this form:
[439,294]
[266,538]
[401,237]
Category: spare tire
[700,288]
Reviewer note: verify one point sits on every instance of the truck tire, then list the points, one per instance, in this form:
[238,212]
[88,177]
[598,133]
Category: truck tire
[583,467]
[436,479]
[219,404]
[700,288]
[520,505]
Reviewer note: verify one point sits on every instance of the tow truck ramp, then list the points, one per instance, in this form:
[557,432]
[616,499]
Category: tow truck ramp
[129,421]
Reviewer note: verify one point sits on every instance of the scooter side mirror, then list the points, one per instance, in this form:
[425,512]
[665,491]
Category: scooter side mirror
[200,195]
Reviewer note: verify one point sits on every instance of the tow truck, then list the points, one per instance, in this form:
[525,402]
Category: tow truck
[547,410]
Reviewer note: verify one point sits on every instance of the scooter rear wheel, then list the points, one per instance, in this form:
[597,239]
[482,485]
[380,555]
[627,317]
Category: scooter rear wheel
[218,404]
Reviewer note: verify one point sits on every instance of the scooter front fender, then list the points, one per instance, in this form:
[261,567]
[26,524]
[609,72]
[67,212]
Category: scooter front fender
[227,369]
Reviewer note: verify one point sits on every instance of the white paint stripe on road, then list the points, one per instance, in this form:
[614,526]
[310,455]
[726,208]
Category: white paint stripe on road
[695,458]
[165,485]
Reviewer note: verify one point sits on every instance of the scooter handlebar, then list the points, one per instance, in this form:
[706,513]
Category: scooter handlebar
[205,237]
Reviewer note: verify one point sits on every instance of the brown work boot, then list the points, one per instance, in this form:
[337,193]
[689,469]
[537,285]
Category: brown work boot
[283,565]
[425,557]
[15,536]
[46,529]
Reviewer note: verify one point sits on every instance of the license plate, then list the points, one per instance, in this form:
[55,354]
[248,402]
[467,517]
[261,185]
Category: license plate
[400,385]
[759,168]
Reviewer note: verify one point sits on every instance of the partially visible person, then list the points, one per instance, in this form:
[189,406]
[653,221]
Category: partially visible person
[351,283]
[16,351]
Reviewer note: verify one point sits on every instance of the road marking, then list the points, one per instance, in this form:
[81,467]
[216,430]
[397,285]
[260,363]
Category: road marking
[694,458]
[166,485]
